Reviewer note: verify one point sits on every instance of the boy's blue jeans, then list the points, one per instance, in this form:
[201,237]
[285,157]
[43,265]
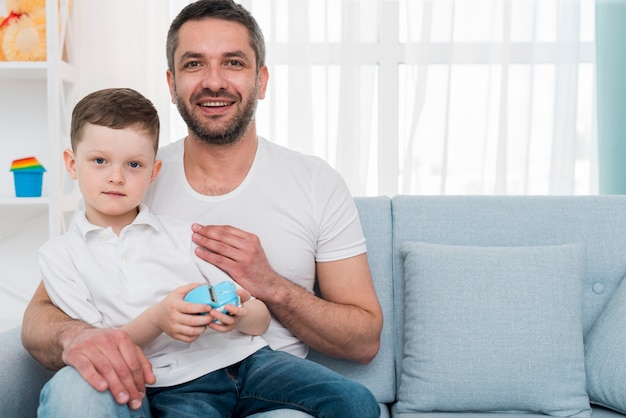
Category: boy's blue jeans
[266,381]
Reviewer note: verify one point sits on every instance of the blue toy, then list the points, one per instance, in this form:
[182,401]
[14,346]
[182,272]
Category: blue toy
[217,296]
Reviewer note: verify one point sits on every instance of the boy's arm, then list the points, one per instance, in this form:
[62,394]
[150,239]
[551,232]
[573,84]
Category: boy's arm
[179,319]
[183,320]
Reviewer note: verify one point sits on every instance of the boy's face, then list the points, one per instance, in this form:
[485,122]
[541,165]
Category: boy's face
[114,168]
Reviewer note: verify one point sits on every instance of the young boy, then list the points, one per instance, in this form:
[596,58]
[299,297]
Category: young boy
[118,259]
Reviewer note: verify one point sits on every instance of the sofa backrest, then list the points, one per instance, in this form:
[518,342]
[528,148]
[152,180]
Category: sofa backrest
[379,375]
[597,221]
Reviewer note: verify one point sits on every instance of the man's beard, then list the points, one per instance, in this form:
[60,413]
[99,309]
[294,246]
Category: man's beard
[229,134]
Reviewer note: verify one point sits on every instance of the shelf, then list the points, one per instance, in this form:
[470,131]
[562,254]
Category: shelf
[36,100]
[24,201]
[23,70]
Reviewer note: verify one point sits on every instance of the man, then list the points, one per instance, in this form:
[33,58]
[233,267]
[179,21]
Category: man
[279,220]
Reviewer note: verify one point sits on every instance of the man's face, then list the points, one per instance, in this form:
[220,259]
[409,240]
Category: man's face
[216,85]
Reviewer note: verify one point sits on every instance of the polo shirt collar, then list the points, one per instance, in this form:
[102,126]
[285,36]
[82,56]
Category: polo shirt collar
[84,227]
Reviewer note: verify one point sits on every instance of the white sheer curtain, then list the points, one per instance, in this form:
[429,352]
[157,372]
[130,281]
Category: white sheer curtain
[121,43]
[401,96]
[498,97]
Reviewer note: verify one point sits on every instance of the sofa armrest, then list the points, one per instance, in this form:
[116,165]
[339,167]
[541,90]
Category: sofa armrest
[21,377]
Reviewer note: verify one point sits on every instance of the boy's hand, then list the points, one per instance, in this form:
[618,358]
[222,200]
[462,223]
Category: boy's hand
[229,322]
[182,320]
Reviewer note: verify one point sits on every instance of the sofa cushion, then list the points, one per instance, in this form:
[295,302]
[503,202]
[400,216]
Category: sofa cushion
[605,355]
[493,329]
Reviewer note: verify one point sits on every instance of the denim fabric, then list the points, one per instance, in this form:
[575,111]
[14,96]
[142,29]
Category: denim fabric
[68,395]
[265,381]
[268,380]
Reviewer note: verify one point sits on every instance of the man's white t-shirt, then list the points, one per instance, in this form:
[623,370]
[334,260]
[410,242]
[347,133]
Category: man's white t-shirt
[298,206]
[107,280]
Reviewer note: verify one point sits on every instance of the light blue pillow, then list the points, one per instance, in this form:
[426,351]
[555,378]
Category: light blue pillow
[605,354]
[493,329]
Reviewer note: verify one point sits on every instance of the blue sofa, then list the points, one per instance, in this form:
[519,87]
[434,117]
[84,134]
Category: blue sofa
[493,306]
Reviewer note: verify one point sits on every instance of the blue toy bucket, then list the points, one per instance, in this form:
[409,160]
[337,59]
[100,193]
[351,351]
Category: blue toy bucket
[28,182]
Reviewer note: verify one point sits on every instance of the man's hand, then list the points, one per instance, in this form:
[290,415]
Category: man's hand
[240,254]
[108,359]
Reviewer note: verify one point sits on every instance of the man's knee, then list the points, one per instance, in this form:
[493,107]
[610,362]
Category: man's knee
[68,395]
[67,383]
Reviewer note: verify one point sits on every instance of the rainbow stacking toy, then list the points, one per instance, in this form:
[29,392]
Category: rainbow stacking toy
[28,177]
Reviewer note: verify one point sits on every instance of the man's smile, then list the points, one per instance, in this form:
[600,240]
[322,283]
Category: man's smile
[215,104]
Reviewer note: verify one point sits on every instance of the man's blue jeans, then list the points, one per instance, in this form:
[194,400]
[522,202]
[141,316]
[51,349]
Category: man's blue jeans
[267,380]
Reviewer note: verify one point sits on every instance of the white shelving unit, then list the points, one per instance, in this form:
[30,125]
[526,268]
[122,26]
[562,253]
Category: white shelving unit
[36,100]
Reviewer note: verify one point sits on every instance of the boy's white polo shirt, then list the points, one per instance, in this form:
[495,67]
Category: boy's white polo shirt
[106,281]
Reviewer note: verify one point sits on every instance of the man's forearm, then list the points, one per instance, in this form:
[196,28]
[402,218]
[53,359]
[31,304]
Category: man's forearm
[345,322]
[45,329]
[337,330]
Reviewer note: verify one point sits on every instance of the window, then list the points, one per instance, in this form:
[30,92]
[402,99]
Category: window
[434,96]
